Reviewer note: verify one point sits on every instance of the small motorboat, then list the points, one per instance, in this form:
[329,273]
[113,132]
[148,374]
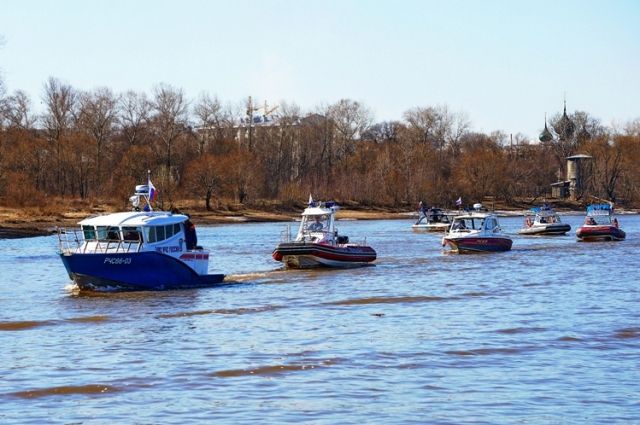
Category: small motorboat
[318,244]
[476,232]
[600,224]
[136,250]
[433,220]
[545,222]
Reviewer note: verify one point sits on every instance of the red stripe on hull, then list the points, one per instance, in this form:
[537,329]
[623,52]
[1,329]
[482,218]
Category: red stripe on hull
[479,244]
[349,255]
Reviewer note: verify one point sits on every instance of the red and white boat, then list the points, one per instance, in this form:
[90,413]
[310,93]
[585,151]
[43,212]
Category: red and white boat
[600,225]
[317,243]
[476,232]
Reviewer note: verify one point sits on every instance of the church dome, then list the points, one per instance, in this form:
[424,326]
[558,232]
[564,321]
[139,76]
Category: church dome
[565,127]
[546,135]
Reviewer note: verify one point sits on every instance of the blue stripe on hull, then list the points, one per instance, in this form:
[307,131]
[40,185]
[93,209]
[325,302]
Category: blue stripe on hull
[133,271]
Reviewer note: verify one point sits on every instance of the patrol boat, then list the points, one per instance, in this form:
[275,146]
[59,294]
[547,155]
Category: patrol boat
[600,224]
[137,250]
[317,243]
[476,232]
[546,222]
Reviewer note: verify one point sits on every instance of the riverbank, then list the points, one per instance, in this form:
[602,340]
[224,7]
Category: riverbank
[41,221]
[30,222]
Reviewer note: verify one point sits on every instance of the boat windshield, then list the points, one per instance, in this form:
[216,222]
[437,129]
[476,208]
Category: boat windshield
[491,223]
[598,220]
[467,224]
[316,223]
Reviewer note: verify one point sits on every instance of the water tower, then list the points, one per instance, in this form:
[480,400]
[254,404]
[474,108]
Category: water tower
[577,174]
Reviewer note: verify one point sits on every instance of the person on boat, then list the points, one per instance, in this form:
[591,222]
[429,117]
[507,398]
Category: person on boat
[615,223]
[316,226]
[590,221]
[190,236]
[459,225]
[528,222]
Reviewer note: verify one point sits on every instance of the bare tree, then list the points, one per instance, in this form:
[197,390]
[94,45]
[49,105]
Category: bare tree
[212,123]
[97,116]
[18,111]
[383,132]
[436,126]
[350,119]
[59,100]
[134,114]
[170,113]
[607,165]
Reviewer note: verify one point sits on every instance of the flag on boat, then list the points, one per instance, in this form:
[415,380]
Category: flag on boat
[459,201]
[310,199]
[153,192]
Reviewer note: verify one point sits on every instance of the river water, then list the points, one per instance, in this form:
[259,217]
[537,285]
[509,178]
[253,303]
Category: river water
[548,333]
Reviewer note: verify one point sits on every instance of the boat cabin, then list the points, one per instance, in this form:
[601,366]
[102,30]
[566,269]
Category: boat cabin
[136,231]
[599,214]
[434,215]
[483,223]
[318,223]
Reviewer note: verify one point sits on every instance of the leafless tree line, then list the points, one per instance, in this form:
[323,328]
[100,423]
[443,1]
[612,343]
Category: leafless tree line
[98,144]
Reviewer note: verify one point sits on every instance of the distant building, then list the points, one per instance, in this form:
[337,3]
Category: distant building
[575,184]
[564,132]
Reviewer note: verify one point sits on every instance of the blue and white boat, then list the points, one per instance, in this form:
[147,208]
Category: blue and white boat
[545,222]
[136,250]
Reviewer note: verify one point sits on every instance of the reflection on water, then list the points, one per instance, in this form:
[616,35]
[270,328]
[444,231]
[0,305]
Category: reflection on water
[545,333]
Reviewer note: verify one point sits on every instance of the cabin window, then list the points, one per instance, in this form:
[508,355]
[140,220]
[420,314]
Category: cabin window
[89,233]
[160,235]
[108,233]
[150,233]
[131,234]
[101,233]
[169,230]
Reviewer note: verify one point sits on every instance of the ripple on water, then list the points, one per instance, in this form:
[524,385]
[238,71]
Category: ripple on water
[24,325]
[387,300]
[270,370]
[491,351]
[229,311]
[627,333]
[65,390]
[32,324]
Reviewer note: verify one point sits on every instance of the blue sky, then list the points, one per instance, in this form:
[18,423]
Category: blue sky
[503,63]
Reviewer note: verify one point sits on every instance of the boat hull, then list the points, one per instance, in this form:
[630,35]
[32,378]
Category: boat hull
[312,255]
[139,271]
[555,229]
[439,227]
[600,233]
[478,244]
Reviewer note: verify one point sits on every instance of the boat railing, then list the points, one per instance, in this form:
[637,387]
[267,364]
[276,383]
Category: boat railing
[73,241]
[285,235]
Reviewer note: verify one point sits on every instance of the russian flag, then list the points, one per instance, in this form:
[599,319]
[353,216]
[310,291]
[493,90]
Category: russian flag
[153,192]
